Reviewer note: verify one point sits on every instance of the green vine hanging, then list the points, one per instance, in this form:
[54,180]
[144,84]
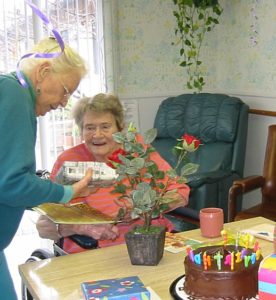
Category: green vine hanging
[194,19]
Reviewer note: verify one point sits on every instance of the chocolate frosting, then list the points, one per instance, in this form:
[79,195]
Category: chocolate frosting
[224,284]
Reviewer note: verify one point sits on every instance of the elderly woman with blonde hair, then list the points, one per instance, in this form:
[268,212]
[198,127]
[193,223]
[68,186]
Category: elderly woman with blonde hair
[38,86]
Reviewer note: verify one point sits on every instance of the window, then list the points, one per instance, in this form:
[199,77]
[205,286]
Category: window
[80,24]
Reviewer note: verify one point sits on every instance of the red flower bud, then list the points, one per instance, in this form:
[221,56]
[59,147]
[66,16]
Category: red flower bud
[190,143]
[114,158]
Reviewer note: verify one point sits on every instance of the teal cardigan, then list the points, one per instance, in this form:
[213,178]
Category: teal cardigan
[20,188]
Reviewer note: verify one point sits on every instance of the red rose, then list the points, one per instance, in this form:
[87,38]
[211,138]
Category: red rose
[190,143]
[114,158]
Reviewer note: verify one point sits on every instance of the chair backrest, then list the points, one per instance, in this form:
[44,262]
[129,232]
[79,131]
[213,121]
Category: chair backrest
[220,121]
[269,170]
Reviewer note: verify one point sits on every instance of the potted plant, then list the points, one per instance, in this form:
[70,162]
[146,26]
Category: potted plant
[144,187]
[194,18]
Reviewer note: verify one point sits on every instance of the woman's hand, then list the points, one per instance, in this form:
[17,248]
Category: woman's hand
[48,230]
[98,232]
[81,188]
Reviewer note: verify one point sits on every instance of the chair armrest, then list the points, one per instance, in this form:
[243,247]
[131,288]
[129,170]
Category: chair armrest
[239,187]
[250,183]
[84,241]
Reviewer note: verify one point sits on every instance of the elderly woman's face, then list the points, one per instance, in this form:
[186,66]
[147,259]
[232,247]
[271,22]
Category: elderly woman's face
[97,134]
[55,91]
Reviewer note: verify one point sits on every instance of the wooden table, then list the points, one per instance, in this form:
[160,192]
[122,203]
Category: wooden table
[60,277]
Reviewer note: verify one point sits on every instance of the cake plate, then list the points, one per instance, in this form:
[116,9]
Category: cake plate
[177,292]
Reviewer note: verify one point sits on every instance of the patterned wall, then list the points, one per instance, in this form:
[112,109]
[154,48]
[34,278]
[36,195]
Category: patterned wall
[239,58]
[236,59]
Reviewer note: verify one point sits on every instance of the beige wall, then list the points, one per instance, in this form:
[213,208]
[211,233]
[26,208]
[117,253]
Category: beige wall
[146,64]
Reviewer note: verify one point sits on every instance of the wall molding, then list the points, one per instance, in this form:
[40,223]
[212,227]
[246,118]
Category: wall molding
[255,102]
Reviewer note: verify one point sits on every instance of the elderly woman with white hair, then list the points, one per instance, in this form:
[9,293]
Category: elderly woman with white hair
[39,85]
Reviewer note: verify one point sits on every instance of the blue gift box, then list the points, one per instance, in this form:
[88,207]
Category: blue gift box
[125,288]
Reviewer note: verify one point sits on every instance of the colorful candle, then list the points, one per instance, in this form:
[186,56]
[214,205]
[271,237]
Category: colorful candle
[209,260]
[253,258]
[243,253]
[190,253]
[197,258]
[237,240]
[247,241]
[246,260]
[205,263]
[256,246]
[227,260]
[258,254]
[218,258]
[225,236]
[238,257]
[232,261]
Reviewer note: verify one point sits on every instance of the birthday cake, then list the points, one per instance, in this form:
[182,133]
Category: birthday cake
[222,272]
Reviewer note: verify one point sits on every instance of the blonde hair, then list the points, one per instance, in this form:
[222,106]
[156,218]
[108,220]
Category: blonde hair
[99,103]
[68,61]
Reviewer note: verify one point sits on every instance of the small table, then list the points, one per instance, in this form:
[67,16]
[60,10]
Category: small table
[59,278]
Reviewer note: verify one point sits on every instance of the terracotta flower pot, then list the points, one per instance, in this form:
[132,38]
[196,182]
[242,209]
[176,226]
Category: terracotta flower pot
[146,248]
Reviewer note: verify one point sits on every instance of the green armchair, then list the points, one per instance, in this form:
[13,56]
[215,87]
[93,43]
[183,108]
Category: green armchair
[220,122]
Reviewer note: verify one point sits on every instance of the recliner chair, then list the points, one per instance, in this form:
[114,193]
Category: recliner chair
[220,122]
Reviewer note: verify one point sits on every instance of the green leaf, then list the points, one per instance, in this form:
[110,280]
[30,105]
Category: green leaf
[138,163]
[200,16]
[189,85]
[163,207]
[161,185]
[182,179]
[150,135]
[118,137]
[187,42]
[183,64]
[189,169]
[130,136]
[155,213]
[120,188]
[172,173]
[143,186]
[166,199]
[131,170]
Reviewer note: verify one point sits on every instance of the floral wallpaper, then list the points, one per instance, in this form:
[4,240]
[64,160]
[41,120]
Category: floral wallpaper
[239,55]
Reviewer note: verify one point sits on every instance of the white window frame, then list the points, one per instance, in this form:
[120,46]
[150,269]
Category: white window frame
[15,12]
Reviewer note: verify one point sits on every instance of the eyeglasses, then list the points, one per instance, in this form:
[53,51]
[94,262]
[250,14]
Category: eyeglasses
[91,129]
[67,93]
